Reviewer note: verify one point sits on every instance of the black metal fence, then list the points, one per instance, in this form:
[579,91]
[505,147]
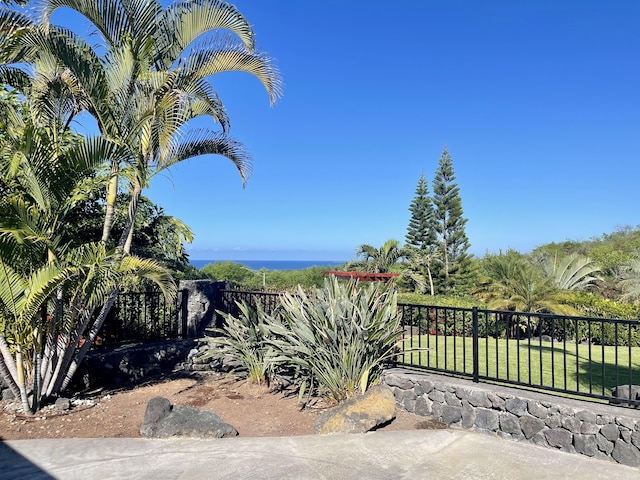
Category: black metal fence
[579,356]
[229,300]
[143,316]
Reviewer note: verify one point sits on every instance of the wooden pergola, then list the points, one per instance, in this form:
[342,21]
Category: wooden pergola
[363,276]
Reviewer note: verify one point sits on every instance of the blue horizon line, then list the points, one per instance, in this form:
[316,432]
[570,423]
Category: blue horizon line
[272,264]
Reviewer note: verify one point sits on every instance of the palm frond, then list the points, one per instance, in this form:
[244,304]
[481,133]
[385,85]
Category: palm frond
[225,55]
[204,142]
[576,272]
[151,270]
[183,22]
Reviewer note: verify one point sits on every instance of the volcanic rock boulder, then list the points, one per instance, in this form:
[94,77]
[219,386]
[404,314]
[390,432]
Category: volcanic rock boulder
[359,414]
[163,420]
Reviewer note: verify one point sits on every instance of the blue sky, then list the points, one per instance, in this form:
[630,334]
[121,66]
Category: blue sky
[537,101]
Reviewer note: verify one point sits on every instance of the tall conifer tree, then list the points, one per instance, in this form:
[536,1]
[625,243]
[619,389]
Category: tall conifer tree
[452,258]
[420,233]
[421,237]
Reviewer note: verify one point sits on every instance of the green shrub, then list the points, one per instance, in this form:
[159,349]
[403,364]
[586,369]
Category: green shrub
[264,279]
[467,301]
[228,271]
[243,340]
[591,305]
[338,338]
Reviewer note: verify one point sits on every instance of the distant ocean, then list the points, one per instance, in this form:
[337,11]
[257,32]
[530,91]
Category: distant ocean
[273,264]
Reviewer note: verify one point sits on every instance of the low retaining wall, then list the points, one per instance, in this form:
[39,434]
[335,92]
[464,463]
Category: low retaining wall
[573,426]
[117,366]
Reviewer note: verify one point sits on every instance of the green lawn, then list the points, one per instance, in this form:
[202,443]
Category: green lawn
[583,368]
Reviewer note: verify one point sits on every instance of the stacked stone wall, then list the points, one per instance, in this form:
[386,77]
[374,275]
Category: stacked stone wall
[573,426]
[125,364]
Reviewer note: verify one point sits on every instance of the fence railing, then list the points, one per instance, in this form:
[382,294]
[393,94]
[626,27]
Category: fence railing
[578,356]
[229,300]
[143,316]
[581,356]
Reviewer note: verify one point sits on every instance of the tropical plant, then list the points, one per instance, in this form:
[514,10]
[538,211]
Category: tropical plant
[44,169]
[243,341]
[337,338]
[143,82]
[380,260]
[417,271]
[572,272]
[630,282]
[36,329]
[511,282]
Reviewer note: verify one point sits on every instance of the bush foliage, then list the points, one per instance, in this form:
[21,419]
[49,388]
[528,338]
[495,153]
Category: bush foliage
[335,339]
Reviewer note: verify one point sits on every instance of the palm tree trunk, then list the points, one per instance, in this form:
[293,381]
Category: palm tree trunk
[93,333]
[26,408]
[133,210]
[430,280]
[112,194]
[67,345]
[8,377]
[62,346]
[50,357]
[37,382]
[70,363]
[8,358]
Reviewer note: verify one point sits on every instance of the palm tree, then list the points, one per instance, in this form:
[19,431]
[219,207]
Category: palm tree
[143,84]
[43,174]
[153,79]
[630,282]
[379,260]
[572,272]
[418,269]
[510,282]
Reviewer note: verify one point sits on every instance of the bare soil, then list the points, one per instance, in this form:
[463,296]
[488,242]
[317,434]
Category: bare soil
[254,410]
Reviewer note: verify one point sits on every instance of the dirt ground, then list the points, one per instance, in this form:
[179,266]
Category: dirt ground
[255,411]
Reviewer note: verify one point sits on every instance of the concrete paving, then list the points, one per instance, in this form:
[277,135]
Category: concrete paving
[433,454]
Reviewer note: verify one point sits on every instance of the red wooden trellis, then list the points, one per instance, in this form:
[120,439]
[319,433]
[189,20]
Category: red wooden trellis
[363,276]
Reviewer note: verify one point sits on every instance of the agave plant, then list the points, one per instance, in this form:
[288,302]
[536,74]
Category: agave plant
[243,340]
[338,338]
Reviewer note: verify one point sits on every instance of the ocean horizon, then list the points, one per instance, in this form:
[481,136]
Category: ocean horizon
[274,264]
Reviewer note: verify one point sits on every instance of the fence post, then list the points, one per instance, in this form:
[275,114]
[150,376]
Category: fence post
[184,313]
[474,317]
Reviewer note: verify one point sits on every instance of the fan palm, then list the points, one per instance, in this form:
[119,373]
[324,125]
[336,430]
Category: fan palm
[630,282]
[572,272]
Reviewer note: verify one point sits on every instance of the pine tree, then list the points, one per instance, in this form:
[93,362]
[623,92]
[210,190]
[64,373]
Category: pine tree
[421,237]
[420,233]
[452,260]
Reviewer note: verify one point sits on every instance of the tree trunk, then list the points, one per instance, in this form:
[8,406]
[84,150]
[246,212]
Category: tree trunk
[112,194]
[124,244]
[430,281]
[8,377]
[95,328]
[133,210]
[8,358]
[68,344]
[26,408]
